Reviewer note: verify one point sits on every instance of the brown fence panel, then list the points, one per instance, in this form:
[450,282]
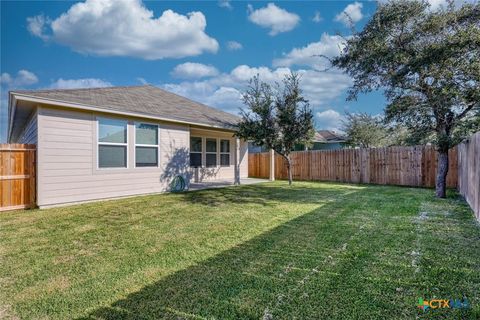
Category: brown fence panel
[406,166]
[17,176]
[469,172]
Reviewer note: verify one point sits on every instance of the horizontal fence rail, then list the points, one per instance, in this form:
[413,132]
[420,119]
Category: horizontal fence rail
[17,176]
[469,172]
[404,166]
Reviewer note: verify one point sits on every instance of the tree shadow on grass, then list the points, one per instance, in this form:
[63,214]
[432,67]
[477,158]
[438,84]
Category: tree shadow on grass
[267,193]
[248,280]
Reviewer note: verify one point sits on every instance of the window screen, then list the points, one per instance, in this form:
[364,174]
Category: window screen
[110,156]
[113,131]
[146,145]
[112,143]
[195,151]
[224,152]
[211,152]
[146,157]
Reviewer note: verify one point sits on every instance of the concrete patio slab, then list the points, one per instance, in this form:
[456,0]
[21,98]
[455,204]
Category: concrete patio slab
[223,183]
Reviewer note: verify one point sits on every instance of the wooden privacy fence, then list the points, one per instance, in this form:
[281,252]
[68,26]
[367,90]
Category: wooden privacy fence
[469,172]
[17,176]
[405,166]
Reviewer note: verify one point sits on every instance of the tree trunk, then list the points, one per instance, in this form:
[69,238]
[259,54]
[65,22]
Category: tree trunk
[289,169]
[442,170]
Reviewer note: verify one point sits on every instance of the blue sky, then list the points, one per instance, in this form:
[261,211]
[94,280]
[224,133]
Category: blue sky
[203,50]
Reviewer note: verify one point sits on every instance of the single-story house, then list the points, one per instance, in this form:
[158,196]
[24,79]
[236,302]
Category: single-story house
[102,143]
[322,140]
[326,140]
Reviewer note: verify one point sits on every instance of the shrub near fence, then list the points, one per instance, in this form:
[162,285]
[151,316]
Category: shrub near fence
[405,166]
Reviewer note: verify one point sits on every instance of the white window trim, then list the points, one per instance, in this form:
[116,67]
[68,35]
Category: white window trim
[209,152]
[111,144]
[202,140]
[229,153]
[135,145]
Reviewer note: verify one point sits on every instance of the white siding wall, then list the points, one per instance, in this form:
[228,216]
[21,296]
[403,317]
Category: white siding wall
[67,159]
[29,134]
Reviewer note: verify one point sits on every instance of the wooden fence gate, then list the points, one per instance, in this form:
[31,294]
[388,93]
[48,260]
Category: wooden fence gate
[17,176]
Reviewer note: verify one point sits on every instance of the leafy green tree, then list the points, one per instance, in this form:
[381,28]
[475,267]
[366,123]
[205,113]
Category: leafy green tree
[365,131]
[277,119]
[428,63]
[398,135]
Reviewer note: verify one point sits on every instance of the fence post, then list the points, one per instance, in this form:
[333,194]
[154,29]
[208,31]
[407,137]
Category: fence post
[272,165]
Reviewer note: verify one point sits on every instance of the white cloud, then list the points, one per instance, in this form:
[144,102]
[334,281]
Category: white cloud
[224,90]
[317,17]
[225,4]
[79,83]
[312,54]
[234,45]
[6,78]
[23,78]
[227,98]
[192,70]
[351,14]
[126,28]
[438,4]
[142,80]
[209,93]
[275,18]
[329,120]
[37,26]
[322,87]
[244,73]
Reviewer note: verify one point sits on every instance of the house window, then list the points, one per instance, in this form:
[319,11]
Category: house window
[112,143]
[195,151]
[224,153]
[146,145]
[211,152]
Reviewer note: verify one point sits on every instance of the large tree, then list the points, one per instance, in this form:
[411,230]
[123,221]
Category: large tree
[371,131]
[364,130]
[428,63]
[277,118]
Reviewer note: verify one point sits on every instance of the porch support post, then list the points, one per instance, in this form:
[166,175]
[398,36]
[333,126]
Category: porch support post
[272,165]
[237,161]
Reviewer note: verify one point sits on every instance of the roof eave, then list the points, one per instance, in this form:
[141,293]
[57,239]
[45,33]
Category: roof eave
[12,103]
[60,103]
[332,141]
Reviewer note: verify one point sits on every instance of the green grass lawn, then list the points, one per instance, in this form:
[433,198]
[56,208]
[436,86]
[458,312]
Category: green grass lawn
[310,251]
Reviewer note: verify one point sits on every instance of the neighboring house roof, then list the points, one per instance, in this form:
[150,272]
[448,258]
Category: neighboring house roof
[145,100]
[328,136]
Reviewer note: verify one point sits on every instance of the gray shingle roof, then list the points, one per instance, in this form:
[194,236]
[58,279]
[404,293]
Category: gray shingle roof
[145,100]
[328,136]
